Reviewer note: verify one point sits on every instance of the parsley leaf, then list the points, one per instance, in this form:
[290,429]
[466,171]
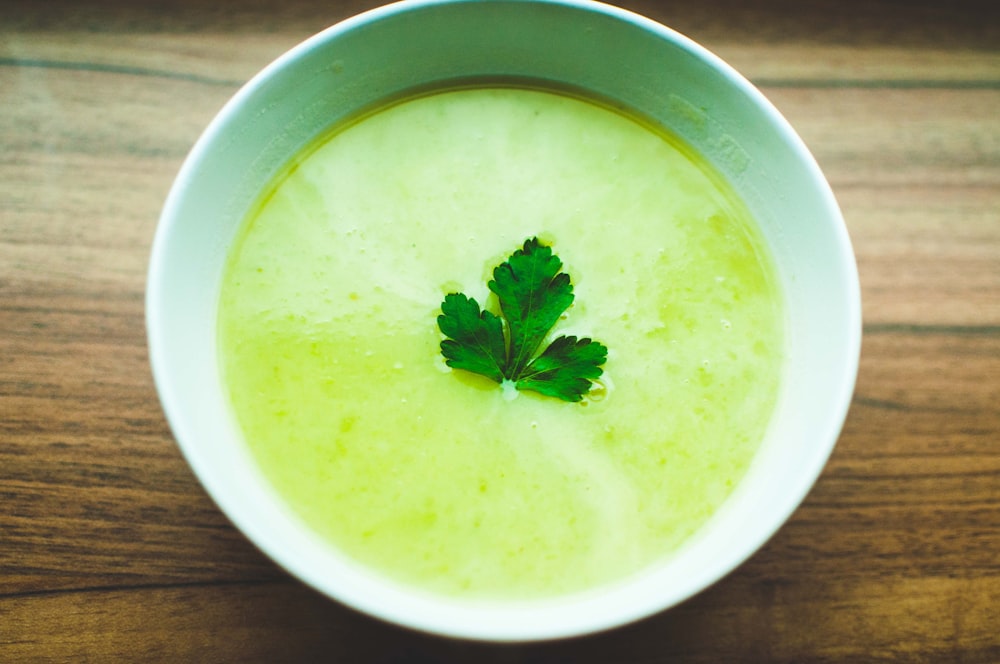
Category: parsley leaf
[475,337]
[533,293]
[565,369]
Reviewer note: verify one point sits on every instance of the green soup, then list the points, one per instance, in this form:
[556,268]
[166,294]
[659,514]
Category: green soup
[330,347]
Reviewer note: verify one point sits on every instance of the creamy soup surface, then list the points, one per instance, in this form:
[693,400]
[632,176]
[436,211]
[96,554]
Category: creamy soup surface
[330,347]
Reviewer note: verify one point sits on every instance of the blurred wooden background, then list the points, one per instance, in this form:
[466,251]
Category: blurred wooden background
[111,551]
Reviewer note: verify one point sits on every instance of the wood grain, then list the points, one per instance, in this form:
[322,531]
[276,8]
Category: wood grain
[111,551]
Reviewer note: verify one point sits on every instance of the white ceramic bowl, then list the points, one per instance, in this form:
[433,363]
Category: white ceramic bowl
[615,54]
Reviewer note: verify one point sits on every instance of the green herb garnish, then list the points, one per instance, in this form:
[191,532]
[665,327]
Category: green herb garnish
[533,294]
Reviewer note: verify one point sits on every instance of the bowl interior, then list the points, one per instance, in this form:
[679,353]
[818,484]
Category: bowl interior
[616,55]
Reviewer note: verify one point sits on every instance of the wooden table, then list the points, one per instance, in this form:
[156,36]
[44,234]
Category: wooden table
[110,549]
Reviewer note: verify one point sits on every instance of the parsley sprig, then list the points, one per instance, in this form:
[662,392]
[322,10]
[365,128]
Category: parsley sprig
[533,294]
